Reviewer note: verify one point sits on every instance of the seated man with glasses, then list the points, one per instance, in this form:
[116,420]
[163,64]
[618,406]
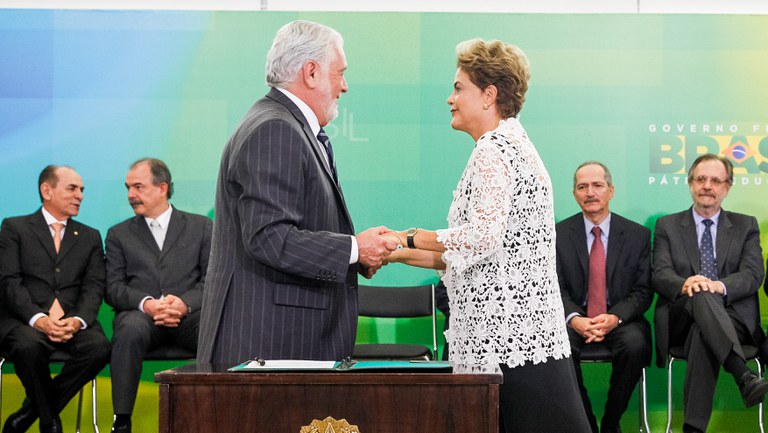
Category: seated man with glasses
[707,269]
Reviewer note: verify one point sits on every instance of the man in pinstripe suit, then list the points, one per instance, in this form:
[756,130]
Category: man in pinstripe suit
[282,277]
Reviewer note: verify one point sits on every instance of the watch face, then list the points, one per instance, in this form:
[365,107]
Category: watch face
[411,232]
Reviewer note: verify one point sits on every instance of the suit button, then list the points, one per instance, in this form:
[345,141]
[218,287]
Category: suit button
[58,270]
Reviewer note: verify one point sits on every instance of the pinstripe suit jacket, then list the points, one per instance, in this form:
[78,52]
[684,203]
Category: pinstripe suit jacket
[279,281]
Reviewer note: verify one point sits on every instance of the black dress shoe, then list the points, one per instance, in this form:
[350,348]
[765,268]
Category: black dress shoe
[53,427]
[124,428]
[753,389]
[20,421]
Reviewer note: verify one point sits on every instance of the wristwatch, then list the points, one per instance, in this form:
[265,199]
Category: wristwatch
[410,233]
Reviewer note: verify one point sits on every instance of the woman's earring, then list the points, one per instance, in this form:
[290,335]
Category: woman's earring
[485,106]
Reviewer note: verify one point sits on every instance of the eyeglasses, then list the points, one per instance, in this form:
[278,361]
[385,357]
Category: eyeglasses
[716,181]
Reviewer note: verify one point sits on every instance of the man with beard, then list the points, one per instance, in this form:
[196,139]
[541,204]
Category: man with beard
[282,281]
[156,267]
[707,269]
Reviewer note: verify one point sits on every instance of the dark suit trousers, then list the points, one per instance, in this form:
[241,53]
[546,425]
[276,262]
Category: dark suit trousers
[713,331]
[30,351]
[629,348]
[134,334]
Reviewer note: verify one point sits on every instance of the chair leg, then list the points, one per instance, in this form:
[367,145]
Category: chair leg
[93,404]
[760,406]
[2,361]
[642,391]
[669,395]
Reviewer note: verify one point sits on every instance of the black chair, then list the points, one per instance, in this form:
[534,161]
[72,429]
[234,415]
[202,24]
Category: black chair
[397,302]
[59,356]
[678,353]
[170,353]
[599,352]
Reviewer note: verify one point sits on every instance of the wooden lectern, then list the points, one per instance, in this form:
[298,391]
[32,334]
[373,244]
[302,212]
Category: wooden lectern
[206,399]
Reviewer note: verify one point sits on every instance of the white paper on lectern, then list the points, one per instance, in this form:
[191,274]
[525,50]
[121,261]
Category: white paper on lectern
[291,364]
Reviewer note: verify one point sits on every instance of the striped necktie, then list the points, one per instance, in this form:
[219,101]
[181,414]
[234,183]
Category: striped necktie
[326,142]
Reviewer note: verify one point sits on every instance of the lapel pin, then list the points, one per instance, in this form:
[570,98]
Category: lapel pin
[76,233]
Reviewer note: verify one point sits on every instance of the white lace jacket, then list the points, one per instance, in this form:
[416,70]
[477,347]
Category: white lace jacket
[500,274]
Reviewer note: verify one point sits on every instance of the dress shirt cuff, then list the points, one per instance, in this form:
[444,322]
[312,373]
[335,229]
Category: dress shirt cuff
[35,317]
[85,325]
[354,255]
[141,303]
[569,317]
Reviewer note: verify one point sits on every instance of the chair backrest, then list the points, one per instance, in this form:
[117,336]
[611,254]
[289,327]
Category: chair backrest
[399,302]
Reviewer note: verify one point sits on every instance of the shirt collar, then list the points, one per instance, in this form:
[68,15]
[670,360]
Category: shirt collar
[605,225]
[50,219]
[163,219]
[314,124]
[698,218]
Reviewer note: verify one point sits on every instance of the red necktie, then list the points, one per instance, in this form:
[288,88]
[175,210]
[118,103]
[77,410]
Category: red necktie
[596,303]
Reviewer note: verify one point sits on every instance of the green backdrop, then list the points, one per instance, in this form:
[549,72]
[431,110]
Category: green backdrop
[642,93]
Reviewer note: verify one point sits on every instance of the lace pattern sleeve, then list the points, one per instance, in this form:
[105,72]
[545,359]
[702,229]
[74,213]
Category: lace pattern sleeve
[485,189]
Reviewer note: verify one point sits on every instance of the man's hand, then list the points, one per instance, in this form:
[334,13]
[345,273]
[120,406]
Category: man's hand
[372,247]
[367,272]
[167,311]
[700,283]
[58,330]
[596,328]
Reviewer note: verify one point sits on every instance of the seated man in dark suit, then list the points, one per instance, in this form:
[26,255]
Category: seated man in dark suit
[156,266]
[51,288]
[707,269]
[603,266]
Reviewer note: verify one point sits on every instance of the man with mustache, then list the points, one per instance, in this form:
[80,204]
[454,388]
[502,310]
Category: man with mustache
[707,269]
[156,267]
[51,286]
[603,267]
[282,281]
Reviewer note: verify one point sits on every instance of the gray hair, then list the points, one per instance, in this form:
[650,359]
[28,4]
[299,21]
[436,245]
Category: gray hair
[607,173]
[712,157]
[160,173]
[295,44]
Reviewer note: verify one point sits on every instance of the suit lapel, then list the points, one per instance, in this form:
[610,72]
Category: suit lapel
[175,228]
[689,239]
[615,243]
[43,233]
[724,228]
[579,244]
[314,144]
[141,229]
[71,236]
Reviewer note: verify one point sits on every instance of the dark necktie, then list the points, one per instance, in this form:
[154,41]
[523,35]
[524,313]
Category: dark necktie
[707,252]
[596,300]
[326,141]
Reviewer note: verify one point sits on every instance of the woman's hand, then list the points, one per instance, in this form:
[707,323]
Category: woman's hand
[396,237]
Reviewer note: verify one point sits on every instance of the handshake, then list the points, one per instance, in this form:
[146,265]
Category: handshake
[374,248]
